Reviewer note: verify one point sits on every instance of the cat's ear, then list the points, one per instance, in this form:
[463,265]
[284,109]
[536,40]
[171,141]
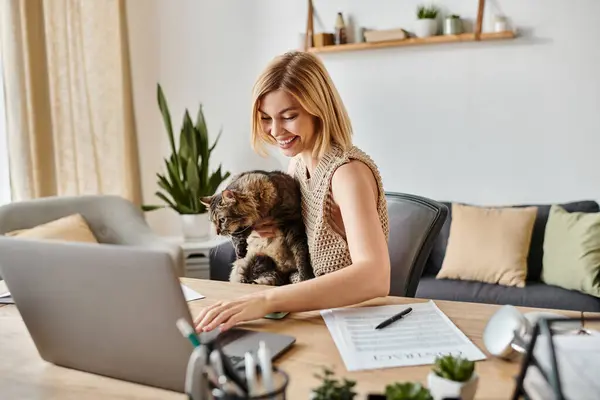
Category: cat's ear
[206,200]
[228,196]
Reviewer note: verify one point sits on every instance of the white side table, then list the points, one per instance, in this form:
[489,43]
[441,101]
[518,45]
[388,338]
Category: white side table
[196,255]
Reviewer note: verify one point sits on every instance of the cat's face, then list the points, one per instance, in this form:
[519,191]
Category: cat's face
[231,211]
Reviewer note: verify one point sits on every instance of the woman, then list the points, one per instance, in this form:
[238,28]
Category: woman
[297,108]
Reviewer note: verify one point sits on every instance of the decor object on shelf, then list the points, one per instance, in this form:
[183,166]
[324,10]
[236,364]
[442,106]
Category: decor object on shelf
[407,391]
[341,36]
[385,35]
[453,25]
[323,39]
[426,24]
[453,377]
[332,388]
[500,23]
[187,176]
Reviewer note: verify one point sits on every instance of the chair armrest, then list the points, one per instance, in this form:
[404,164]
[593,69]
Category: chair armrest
[221,258]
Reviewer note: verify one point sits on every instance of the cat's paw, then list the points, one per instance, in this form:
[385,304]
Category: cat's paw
[235,276]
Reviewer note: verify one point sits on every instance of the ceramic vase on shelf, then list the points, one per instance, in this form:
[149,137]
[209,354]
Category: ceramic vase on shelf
[441,388]
[453,25]
[195,227]
[426,27]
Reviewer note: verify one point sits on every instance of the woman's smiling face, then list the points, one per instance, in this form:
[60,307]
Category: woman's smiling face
[287,122]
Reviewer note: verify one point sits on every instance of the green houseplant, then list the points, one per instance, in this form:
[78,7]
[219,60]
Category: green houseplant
[332,388]
[453,376]
[426,24]
[187,176]
[407,391]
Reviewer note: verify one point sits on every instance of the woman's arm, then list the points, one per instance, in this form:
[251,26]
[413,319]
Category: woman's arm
[355,191]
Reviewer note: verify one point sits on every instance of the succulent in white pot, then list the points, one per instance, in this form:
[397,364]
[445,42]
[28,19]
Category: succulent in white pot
[453,377]
[426,24]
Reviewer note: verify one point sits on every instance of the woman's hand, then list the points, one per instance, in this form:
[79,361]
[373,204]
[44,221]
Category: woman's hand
[266,228]
[229,313]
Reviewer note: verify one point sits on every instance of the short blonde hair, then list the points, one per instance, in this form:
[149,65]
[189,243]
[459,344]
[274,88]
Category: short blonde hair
[303,76]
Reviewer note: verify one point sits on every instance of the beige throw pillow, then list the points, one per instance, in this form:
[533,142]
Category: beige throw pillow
[72,228]
[489,244]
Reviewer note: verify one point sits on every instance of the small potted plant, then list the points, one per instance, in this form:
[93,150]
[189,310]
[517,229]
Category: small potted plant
[426,24]
[453,377]
[407,391]
[187,177]
[453,25]
[333,389]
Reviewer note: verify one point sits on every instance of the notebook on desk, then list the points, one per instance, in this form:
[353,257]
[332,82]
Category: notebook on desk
[109,310]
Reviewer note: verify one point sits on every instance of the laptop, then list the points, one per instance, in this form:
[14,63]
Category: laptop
[110,310]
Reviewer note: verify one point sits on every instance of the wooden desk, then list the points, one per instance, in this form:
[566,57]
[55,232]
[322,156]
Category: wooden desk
[24,375]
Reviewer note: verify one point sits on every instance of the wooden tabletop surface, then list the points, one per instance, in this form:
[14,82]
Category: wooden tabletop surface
[24,375]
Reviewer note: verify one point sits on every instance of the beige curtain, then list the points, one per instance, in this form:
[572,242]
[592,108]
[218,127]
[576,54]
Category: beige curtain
[68,97]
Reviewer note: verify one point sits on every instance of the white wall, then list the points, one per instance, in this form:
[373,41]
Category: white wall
[504,122]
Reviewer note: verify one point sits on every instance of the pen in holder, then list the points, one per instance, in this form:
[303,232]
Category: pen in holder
[280,380]
[211,375]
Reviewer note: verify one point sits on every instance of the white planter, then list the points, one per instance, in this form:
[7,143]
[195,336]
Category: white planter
[426,27]
[195,227]
[440,387]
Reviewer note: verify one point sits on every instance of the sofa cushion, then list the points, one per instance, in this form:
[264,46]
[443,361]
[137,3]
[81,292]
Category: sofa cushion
[572,251]
[72,228]
[536,252]
[533,295]
[489,244]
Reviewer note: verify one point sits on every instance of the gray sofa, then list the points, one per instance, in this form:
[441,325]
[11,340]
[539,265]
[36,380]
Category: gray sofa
[535,294]
[112,219]
[419,230]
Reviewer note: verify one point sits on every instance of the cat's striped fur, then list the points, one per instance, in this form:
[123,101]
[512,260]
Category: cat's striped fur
[250,197]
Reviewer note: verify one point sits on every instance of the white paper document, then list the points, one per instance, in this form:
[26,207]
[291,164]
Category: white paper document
[190,294]
[416,339]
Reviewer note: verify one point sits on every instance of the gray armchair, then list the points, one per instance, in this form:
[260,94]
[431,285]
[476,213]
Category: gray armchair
[112,219]
[415,223]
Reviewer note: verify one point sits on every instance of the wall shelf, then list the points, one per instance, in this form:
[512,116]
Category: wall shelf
[465,37]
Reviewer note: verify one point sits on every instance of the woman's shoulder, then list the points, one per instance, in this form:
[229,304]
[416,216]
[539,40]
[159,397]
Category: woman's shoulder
[357,169]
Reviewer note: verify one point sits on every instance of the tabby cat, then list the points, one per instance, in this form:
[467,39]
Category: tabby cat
[250,197]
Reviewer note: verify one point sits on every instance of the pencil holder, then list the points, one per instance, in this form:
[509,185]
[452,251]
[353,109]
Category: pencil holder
[280,381]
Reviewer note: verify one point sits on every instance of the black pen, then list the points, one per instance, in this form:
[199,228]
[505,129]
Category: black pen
[393,318]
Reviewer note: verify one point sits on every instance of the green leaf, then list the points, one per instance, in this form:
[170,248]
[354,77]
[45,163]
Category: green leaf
[203,153]
[215,180]
[184,144]
[150,207]
[192,138]
[193,179]
[176,183]
[216,141]
[164,109]
[183,209]
[166,200]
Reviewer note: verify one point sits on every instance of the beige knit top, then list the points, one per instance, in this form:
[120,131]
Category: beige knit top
[328,249]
